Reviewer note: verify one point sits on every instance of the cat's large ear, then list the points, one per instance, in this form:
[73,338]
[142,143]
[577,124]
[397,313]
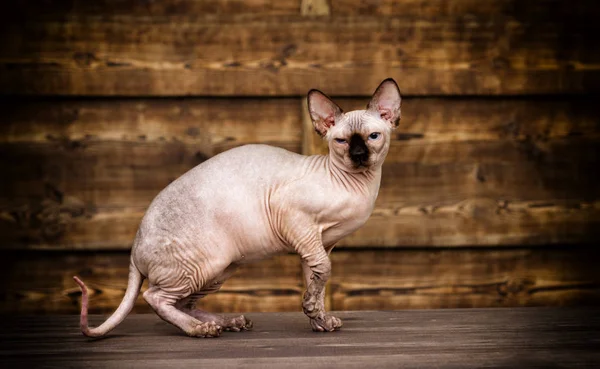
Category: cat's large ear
[386,102]
[323,111]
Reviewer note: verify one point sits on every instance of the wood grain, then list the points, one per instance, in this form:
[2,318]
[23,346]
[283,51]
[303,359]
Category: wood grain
[286,55]
[151,8]
[479,222]
[416,279]
[212,125]
[535,9]
[41,282]
[498,150]
[460,172]
[315,8]
[491,338]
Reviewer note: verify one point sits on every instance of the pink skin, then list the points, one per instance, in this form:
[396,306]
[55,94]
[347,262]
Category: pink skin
[250,203]
[83,321]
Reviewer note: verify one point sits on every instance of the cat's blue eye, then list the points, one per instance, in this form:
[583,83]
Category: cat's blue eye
[374,135]
[340,140]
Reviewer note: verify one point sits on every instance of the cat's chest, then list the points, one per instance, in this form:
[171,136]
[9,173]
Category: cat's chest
[346,218]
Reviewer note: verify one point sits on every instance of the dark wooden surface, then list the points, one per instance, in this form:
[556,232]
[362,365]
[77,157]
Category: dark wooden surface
[496,338]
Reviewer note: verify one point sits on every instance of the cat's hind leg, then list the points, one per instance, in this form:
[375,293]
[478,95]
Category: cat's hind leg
[163,304]
[188,305]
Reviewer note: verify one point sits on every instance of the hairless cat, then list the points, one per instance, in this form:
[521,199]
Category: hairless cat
[252,202]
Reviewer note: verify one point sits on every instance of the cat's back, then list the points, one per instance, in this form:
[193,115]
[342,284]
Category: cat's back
[232,181]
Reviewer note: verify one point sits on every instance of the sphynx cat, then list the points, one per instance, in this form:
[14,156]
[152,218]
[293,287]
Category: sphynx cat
[252,202]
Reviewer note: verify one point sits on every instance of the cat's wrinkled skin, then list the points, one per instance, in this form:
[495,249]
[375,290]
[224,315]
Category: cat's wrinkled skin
[252,202]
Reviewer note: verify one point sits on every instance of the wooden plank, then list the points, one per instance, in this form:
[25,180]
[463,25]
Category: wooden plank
[465,278]
[538,9]
[262,55]
[211,125]
[152,8]
[460,172]
[472,338]
[480,222]
[41,283]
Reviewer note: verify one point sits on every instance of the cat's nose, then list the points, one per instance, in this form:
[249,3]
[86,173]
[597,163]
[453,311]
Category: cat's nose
[358,151]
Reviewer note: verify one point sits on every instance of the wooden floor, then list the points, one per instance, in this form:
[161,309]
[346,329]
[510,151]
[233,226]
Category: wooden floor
[524,337]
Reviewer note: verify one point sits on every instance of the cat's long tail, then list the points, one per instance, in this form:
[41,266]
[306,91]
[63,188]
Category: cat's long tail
[134,286]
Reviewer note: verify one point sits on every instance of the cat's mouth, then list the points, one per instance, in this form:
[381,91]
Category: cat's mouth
[360,161]
[361,166]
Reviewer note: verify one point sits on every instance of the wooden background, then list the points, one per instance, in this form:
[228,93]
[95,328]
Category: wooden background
[490,193]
